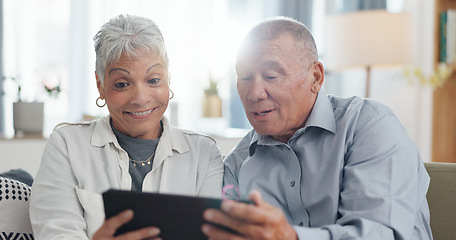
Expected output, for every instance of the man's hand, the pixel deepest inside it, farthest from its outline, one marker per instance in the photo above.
(252, 221)
(109, 227)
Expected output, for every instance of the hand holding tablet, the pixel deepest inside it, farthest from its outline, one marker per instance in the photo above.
(177, 217)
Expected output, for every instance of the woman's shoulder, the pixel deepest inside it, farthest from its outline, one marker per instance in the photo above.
(70, 125)
(184, 140)
(195, 135)
(73, 126)
(77, 128)
(191, 136)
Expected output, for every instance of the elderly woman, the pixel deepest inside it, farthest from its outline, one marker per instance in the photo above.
(134, 148)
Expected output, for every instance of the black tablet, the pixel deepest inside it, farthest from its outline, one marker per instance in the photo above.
(178, 217)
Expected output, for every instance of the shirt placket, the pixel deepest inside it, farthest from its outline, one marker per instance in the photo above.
(125, 181)
(292, 186)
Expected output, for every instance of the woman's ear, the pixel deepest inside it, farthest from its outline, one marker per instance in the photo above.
(318, 77)
(169, 78)
(99, 86)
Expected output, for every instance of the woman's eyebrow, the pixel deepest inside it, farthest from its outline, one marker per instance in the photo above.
(125, 70)
(157, 64)
(118, 69)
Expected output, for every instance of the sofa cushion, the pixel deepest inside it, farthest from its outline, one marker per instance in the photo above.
(18, 174)
(441, 197)
(14, 210)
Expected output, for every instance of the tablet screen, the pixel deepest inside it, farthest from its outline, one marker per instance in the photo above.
(177, 216)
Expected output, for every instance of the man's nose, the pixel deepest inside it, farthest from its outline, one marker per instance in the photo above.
(257, 90)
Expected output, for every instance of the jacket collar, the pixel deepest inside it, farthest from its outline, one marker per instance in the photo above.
(171, 138)
(102, 133)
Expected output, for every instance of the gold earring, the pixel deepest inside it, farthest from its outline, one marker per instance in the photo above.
(172, 94)
(100, 105)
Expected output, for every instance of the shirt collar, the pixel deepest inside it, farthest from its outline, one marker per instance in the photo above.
(321, 116)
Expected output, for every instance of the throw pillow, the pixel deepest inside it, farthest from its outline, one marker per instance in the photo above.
(14, 210)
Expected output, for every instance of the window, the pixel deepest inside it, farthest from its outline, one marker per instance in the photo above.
(35, 55)
(56, 47)
(50, 42)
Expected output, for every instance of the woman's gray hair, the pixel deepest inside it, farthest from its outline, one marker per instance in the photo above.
(127, 34)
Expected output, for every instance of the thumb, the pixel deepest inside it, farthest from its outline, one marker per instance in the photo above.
(255, 197)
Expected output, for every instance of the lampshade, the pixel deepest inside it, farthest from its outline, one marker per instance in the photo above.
(368, 38)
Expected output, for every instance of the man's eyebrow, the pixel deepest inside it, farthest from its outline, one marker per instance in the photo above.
(118, 69)
(273, 65)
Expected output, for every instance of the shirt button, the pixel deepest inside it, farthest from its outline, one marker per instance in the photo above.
(301, 224)
(292, 183)
(125, 179)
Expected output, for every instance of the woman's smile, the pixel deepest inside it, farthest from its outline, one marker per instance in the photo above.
(140, 114)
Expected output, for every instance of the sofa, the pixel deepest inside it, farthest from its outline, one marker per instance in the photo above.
(441, 197)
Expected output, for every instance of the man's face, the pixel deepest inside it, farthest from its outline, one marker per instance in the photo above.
(277, 87)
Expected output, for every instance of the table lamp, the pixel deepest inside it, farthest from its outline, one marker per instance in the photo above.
(366, 39)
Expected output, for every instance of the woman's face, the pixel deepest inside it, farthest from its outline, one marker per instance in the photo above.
(136, 92)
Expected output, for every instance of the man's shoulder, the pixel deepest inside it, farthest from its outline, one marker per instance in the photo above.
(241, 150)
(245, 142)
(357, 105)
(361, 113)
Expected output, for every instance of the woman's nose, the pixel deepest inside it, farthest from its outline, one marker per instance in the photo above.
(140, 95)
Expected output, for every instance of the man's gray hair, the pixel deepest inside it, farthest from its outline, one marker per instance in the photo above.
(127, 34)
(275, 27)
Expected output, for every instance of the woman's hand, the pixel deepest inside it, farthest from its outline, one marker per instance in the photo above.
(109, 227)
(252, 221)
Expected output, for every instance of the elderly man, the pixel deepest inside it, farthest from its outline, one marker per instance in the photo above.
(315, 166)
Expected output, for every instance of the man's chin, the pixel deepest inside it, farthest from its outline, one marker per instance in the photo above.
(262, 130)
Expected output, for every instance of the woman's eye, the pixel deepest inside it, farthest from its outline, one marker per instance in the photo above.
(154, 81)
(120, 85)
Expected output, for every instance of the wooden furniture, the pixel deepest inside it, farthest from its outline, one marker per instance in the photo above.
(444, 101)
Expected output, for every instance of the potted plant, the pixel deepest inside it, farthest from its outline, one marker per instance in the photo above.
(212, 103)
(28, 117)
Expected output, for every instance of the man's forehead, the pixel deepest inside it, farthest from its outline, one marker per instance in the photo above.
(259, 53)
(284, 43)
(263, 45)
(261, 65)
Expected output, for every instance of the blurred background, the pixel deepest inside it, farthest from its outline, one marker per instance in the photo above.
(47, 50)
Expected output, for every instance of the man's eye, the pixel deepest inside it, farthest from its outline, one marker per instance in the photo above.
(120, 85)
(271, 77)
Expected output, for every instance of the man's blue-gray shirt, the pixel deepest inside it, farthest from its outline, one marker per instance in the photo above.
(352, 172)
